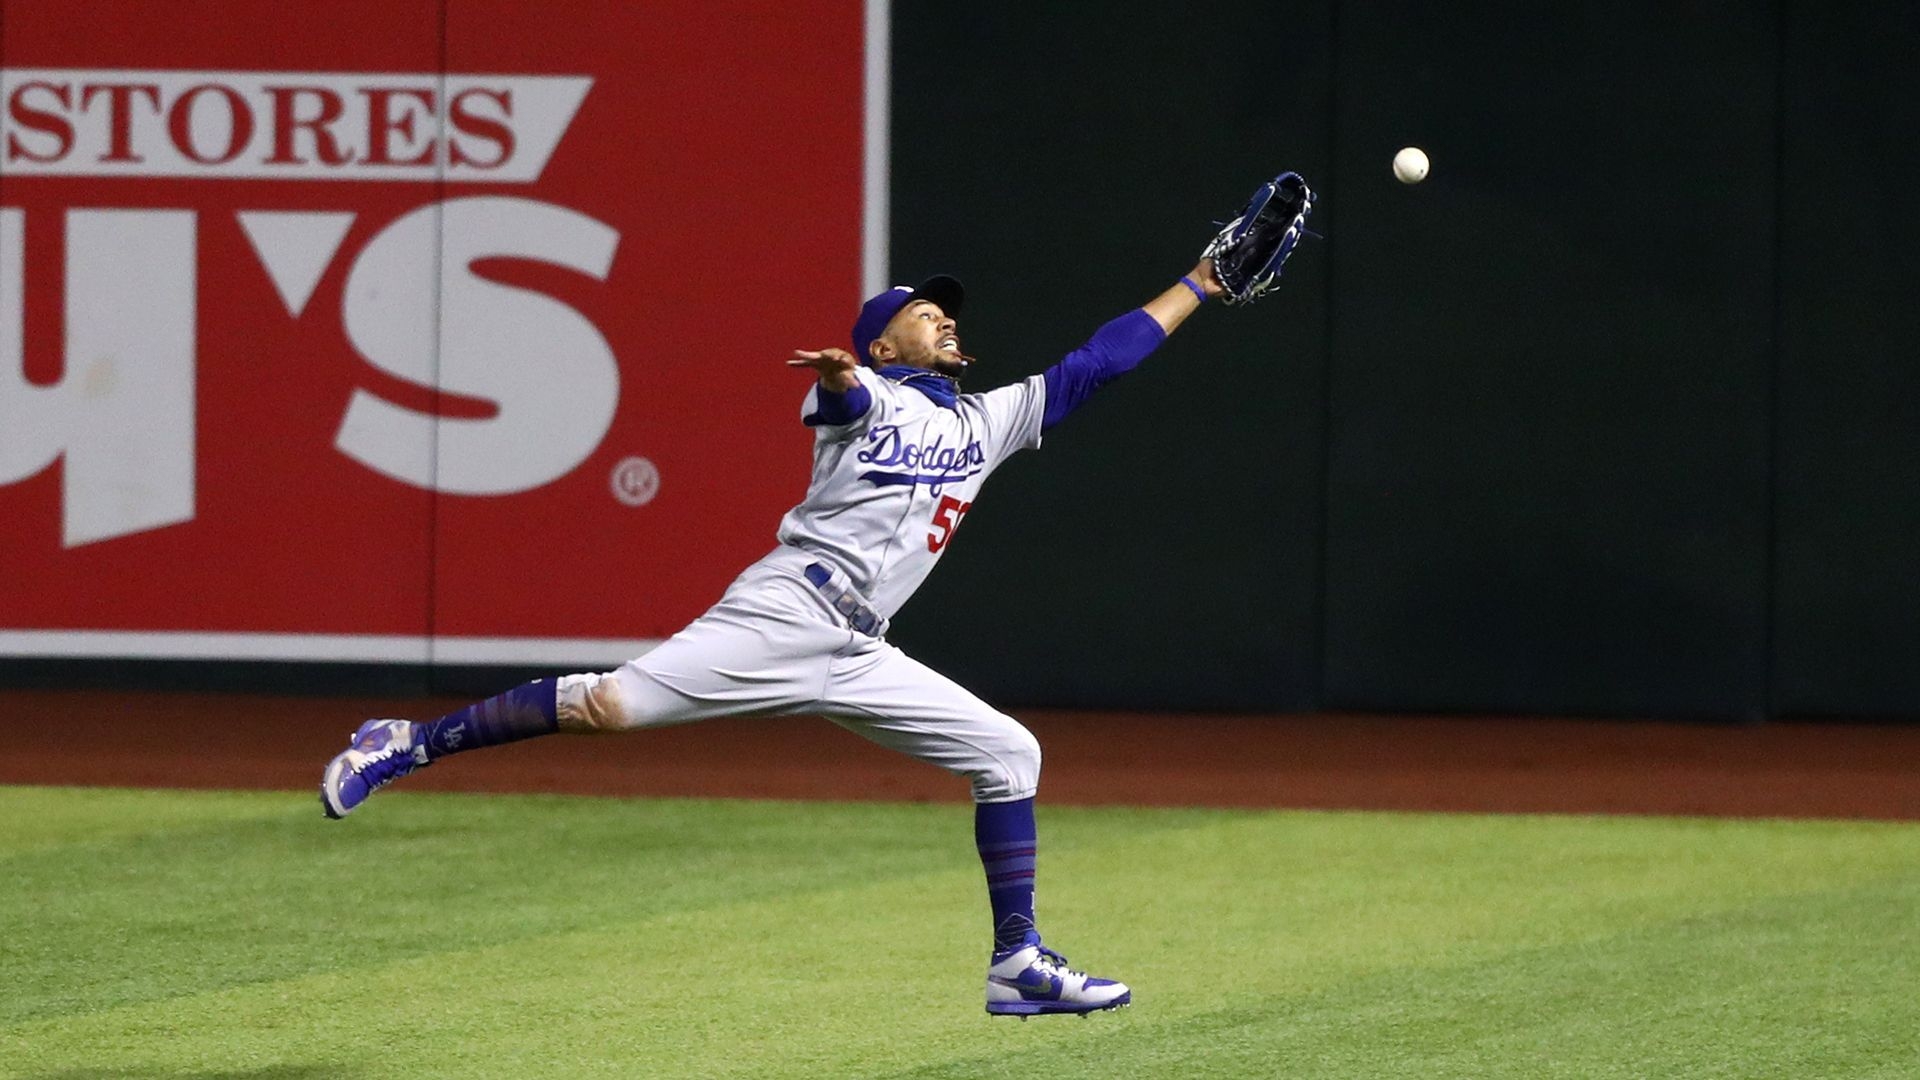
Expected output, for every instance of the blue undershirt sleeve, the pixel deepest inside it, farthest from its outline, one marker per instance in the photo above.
(1111, 352)
(833, 408)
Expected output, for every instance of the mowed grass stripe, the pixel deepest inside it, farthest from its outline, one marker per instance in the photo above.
(1790, 986)
(38, 818)
(128, 915)
(1260, 944)
(652, 949)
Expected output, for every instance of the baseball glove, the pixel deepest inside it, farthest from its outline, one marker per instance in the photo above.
(1248, 252)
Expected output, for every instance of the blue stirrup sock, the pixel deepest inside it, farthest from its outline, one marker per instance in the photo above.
(521, 713)
(1005, 834)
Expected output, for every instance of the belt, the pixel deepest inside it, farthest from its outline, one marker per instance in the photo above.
(842, 597)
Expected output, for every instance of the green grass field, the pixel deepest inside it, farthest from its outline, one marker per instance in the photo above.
(155, 934)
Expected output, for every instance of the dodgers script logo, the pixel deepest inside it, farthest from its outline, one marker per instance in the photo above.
(934, 465)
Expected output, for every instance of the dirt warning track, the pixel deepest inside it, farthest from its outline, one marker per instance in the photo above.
(1309, 761)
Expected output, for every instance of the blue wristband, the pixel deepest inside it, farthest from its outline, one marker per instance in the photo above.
(1197, 290)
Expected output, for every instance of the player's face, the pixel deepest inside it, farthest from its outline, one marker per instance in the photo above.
(923, 336)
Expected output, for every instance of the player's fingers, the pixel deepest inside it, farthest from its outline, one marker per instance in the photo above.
(805, 354)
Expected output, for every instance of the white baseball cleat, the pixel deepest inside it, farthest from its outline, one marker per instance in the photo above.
(1033, 980)
(381, 752)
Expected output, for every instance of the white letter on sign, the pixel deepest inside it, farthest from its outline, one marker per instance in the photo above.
(122, 414)
(554, 377)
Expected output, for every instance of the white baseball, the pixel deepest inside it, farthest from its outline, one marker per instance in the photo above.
(1410, 165)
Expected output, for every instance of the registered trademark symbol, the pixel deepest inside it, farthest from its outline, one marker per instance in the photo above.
(635, 481)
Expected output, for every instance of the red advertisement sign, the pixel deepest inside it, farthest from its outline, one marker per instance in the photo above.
(397, 329)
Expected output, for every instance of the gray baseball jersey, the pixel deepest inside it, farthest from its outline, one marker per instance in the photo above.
(890, 488)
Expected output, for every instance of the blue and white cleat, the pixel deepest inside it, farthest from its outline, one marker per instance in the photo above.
(381, 752)
(1033, 980)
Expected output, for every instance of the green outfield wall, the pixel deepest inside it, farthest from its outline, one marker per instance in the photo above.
(1615, 414)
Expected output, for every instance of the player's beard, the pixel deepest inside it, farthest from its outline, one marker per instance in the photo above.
(949, 365)
(927, 357)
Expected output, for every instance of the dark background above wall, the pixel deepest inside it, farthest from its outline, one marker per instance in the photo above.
(1604, 418)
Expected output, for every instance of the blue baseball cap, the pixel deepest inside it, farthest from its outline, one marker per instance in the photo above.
(877, 312)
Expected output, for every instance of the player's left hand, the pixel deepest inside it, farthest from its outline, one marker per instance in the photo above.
(1204, 276)
(1248, 252)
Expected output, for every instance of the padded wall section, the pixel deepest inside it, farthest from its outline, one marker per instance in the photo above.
(1847, 595)
(648, 436)
(187, 354)
(1548, 475)
(1160, 550)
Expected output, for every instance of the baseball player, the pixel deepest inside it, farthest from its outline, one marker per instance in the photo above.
(899, 457)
